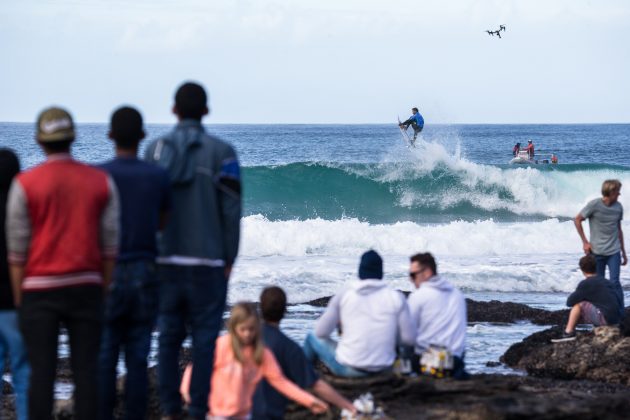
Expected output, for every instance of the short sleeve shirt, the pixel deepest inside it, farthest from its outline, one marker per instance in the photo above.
(604, 226)
(269, 403)
(144, 192)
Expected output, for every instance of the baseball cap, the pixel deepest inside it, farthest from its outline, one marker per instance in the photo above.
(54, 124)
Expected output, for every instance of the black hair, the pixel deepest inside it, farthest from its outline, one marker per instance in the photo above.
(426, 260)
(588, 264)
(126, 127)
(9, 168)
(415, 109)
(62, 146)
(273, 304)
(191, 101)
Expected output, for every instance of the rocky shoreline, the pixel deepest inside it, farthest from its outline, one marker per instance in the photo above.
(587, 378)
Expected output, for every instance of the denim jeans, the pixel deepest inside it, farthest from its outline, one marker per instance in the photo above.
(80, 309)
(614, 267)
(193, 297)
(11, 344)
(324, 349)
(130, 314)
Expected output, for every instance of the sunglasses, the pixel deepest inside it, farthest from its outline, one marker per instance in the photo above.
(413, 274)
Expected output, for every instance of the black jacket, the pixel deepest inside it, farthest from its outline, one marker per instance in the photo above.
(600, 292)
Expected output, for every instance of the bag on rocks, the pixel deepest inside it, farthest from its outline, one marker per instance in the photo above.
(366, 409)
(436, 361)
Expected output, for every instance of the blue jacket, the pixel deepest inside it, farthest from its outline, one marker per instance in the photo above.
(206, 194)
(415, 118)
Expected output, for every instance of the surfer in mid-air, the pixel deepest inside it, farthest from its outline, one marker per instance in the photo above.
(415, 121)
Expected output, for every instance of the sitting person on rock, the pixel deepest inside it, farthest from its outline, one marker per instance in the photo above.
(371, 316)
(593, 302)
(269, 404)
(438, 312)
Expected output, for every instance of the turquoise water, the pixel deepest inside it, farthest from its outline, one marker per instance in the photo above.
(317, 196)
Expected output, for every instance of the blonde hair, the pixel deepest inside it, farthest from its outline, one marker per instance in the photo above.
(609, 186)
(241, 312)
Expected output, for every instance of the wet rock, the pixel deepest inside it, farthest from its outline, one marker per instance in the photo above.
(601, 355)
(492, 364)
(7, 389)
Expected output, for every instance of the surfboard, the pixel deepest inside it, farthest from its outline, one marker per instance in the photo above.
(408, 141)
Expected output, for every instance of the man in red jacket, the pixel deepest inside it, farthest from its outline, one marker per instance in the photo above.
(62, 238)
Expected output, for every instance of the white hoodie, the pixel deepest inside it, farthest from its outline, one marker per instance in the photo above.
(371, 315)
(438, 311)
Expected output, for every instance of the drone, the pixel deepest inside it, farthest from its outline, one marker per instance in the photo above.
(497, 33)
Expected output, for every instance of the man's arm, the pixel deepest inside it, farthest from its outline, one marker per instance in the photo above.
(18, 231)
(586, 245)
(109, 233)
(326, 392)
(624, 257)
(229, 185)
(329, 320)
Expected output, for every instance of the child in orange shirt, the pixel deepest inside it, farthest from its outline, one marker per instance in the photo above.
(240, 362)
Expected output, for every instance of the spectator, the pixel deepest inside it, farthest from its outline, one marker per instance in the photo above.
(241, 361)
(198, 247)
(370, 316)
(269, 404)
(593, 302)
(62, 235)
(11, 342)
(438, 312)
(131, 307)
(606, 242)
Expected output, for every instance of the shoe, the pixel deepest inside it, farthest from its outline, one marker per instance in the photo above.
(564, 337)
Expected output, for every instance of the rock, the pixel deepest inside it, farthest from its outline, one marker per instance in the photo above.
(493, 364)
(485, 397)
(7, 389)
(601, 355)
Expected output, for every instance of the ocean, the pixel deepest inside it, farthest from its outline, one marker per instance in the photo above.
(317, 196)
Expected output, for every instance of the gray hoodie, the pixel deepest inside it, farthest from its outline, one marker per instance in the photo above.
(204, 225)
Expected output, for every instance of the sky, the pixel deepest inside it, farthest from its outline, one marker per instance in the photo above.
(320, 61)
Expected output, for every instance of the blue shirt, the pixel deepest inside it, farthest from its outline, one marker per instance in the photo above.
(418, 118)
(269, 403)
(144, 192)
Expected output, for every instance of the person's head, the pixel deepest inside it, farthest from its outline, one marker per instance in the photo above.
(191, 102)
(588, 265)
(55, 130)
(611, 188)
(244, 329)
(414, 110)
(9, 168)
(273, 304)
(371, 266)
(529, 141)
(126, 128)
(421, 268)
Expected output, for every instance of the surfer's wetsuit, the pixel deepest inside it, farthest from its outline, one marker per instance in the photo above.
(416, 122)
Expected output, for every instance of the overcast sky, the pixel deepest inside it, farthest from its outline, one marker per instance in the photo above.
(320, 61)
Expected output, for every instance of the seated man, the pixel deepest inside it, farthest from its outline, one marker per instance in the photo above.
(372, 316)
(268, 403)
(438, 312)
(593, 302)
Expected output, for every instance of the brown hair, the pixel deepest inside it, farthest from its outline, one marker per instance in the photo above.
(609, 186)
(241, 312)
(426, 260)
(588, 264)
(273, 304)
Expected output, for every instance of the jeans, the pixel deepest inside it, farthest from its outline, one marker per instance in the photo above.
(192, 296)
(79, 308)
(324, 349)
(614, 267)
(11, 342)
(130, 314)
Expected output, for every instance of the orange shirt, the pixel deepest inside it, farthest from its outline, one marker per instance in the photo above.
(233, 383)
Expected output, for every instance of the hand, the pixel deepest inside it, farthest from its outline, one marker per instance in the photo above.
(318, 406)
(587, 248)
(624, 258)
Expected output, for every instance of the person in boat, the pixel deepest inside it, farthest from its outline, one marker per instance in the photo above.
(516, 149)
(415, 121)
(530, 149)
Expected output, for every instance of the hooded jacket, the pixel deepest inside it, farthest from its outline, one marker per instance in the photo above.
(204, 224)
(438, 312)
(372, 316)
